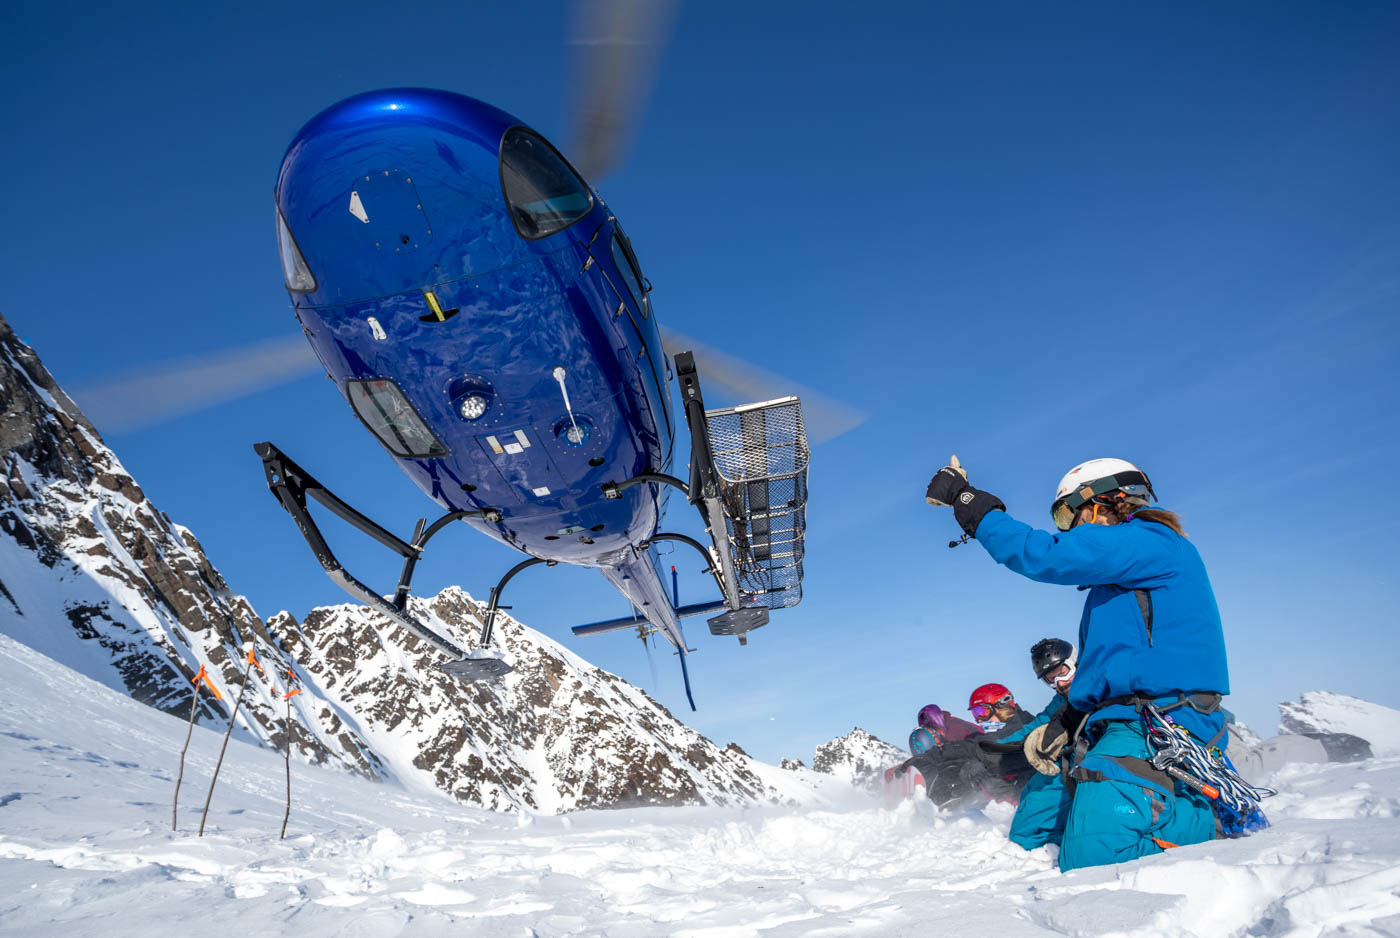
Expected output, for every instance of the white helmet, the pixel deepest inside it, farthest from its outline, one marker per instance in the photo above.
(1098, 480)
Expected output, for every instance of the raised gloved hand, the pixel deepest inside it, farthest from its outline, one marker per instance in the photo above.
(1043, 747)
(949, 487)
(944, 487)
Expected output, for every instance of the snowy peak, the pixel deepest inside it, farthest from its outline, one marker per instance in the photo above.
(1326, 712)
(858, 757)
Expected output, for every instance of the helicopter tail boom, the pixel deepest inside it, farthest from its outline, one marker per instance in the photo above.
(637, 622)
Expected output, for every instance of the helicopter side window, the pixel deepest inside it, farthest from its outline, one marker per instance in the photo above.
(295, 272)
(627, 266)
(391, 418)
(543, 193)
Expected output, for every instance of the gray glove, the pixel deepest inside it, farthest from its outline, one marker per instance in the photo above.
(1044, 754)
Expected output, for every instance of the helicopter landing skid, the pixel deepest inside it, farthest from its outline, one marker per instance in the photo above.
(290, 484)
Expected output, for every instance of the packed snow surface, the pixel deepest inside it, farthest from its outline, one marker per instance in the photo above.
(86, 777)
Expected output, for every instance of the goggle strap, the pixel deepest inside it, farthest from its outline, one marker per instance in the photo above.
(1085, 494)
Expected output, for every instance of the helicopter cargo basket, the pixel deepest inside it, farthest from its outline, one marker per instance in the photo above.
(761, 454)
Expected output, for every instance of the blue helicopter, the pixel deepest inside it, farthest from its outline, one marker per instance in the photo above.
(486, 318)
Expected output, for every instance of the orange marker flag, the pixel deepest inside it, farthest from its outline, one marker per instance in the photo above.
(203, 675)
(253, 659)
(292, 693)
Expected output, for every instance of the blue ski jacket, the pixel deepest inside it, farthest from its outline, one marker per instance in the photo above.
(1185, 651)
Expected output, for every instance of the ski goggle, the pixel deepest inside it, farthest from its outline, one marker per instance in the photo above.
(983, 712)
(1057, 673)
(1132, 484)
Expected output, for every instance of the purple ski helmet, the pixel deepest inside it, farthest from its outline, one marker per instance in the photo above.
(932, 715)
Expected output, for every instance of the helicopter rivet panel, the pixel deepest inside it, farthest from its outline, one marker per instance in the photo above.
(521, 462)
(397, 223)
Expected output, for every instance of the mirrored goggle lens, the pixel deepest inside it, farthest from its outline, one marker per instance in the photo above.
(1063, 515)
(981, 712)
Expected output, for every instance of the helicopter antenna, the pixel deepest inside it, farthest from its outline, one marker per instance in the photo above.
(575, 435)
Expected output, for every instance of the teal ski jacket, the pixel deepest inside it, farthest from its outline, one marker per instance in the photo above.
(1118, 657)
(1056, 704)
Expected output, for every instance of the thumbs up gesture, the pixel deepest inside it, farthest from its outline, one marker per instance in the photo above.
(944, 487)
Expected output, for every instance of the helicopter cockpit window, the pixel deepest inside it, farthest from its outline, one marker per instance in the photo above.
(543, 194)
(297, 275)
(389, 415)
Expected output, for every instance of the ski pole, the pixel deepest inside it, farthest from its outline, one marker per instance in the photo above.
(233, 718)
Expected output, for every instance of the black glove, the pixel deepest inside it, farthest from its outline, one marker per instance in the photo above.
(944, 487)
(971, 505)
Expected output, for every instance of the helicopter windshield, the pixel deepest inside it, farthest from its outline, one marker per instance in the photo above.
(544, 195)
(391, 418)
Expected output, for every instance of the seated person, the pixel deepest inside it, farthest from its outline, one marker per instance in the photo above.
(958, 773)
(1044, 805)
(998, 716)
(935, 728)
(995, 710)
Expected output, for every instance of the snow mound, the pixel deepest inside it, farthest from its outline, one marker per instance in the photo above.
(1326, 712)
(86, 776)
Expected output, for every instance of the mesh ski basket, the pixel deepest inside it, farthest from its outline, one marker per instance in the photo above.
(761, 456)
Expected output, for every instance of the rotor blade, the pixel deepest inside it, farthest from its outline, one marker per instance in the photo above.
(172, 389)
(616, 45)
(824, 417)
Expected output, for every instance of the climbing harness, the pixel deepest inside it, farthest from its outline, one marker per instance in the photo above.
(1208, 771)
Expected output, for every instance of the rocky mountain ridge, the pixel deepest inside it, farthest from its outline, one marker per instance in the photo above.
(93, 575)
(858, 757)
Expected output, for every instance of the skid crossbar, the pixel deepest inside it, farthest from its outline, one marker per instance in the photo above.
(291, 484)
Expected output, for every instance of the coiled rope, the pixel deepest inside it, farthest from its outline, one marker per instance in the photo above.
(1208, 771)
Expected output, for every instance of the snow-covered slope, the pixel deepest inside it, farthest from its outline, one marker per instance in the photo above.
(86, 777)
(1326, 712)
(858, 757)
(94, 576)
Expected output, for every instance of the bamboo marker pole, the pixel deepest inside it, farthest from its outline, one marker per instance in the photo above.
(233, 718)
(189, 731)
(287, 728)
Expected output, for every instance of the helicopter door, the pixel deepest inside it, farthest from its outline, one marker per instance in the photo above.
(643, 325)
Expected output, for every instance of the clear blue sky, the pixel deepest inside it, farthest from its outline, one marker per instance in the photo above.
(1032, 234)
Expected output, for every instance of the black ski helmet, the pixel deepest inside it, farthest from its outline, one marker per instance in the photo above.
(1048, 654)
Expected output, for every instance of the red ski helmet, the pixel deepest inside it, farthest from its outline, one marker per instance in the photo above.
(987, 695)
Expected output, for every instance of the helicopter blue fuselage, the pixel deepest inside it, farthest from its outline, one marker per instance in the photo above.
(445, 319)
